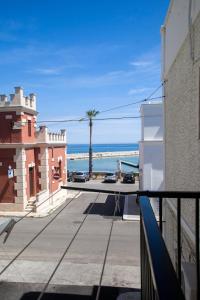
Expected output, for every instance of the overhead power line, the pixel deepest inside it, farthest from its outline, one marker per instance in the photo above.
(36, 236)
(85, 119)
(65, 252)
(130, 104)
(117, 205)
(99, 119)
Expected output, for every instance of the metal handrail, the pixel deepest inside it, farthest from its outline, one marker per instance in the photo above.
(152, 238)
(163, 194)
(161, 281)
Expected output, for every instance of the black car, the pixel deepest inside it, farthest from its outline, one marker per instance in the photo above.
(129, 178)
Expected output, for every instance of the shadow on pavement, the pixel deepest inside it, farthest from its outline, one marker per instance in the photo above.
(110, 293)
(106, 209)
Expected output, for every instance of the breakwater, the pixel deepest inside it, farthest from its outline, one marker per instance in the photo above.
(96, 155)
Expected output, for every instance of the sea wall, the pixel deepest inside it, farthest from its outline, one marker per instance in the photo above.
(74, 156)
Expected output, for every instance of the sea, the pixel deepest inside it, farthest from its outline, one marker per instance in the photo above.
(102, 164)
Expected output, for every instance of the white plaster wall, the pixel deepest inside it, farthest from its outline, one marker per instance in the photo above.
(151, 121)
(20, 172)
(151, 165)
(44, 168)
(176, 29)
(182, 143)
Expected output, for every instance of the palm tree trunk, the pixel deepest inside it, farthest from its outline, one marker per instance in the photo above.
(90, 149)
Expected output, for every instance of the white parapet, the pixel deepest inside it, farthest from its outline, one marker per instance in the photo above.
(43, 136)
(18, 99)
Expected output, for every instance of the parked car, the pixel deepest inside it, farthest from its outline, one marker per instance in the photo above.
(69, 176)
(81, 176)
(128, 178)
(110, 177)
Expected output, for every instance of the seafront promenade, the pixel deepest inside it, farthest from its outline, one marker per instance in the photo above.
(74, 156)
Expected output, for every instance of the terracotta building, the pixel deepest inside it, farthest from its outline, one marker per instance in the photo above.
(32, 162)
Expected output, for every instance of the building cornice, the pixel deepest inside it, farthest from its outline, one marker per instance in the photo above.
(30, 145)
(16, 108)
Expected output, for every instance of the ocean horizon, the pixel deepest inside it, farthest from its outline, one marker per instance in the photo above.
(112, 147)
(102, 164)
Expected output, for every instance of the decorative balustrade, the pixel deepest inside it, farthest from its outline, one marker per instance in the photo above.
(56, 137)
(43, 136)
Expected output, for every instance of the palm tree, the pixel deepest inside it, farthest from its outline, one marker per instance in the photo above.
(90, 115)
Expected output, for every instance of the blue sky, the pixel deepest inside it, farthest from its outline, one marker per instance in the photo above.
(78, 55)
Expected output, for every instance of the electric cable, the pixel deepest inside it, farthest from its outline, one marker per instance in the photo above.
(107, 110)
(101, 119)
(107, 247)
(149, 98)
(65, 252)
(20, 219)
(130, 104)
(36, 236)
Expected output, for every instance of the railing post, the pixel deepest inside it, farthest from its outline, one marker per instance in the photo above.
(179, 239)
(197, 244)
(141, 256)
(160, 214)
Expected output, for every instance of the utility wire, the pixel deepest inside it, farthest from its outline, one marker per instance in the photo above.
(36, 236)
(135, 102)
(65, 252)
(107, 247)
(107, 110)
(101, 119)
(130, 104)
(20, 219)
(149, 98)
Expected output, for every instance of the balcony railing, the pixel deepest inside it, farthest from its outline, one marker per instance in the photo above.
(159, 280)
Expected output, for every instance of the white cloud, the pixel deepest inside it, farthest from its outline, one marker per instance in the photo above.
(141, 63)
(106, 79)
(138, 91)
(48, 71)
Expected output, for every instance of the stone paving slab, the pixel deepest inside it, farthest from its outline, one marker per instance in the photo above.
(83, 262)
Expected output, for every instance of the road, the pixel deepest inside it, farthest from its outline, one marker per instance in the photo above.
(83, 262)
(99, 184)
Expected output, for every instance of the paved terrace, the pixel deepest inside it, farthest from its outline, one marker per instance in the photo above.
(79, 272)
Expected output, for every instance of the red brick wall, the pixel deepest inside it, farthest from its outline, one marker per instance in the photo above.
(8, 135)
(7, 192)
(55, 153)
(25, 136)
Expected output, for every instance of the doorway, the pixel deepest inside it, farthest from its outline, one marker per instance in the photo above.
(31, 182)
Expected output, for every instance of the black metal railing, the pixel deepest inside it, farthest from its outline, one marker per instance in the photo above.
(159, 280)
(179, 195)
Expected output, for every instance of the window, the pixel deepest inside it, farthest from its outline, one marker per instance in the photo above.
(58, 169)
(29, 127)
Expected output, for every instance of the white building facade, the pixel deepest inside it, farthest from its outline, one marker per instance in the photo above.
(181, 77)
(151, 149)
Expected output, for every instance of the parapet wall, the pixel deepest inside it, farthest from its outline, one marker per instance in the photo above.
(43, 136)
(18, 99)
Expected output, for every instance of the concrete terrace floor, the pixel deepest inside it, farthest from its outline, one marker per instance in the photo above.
(81, 268)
